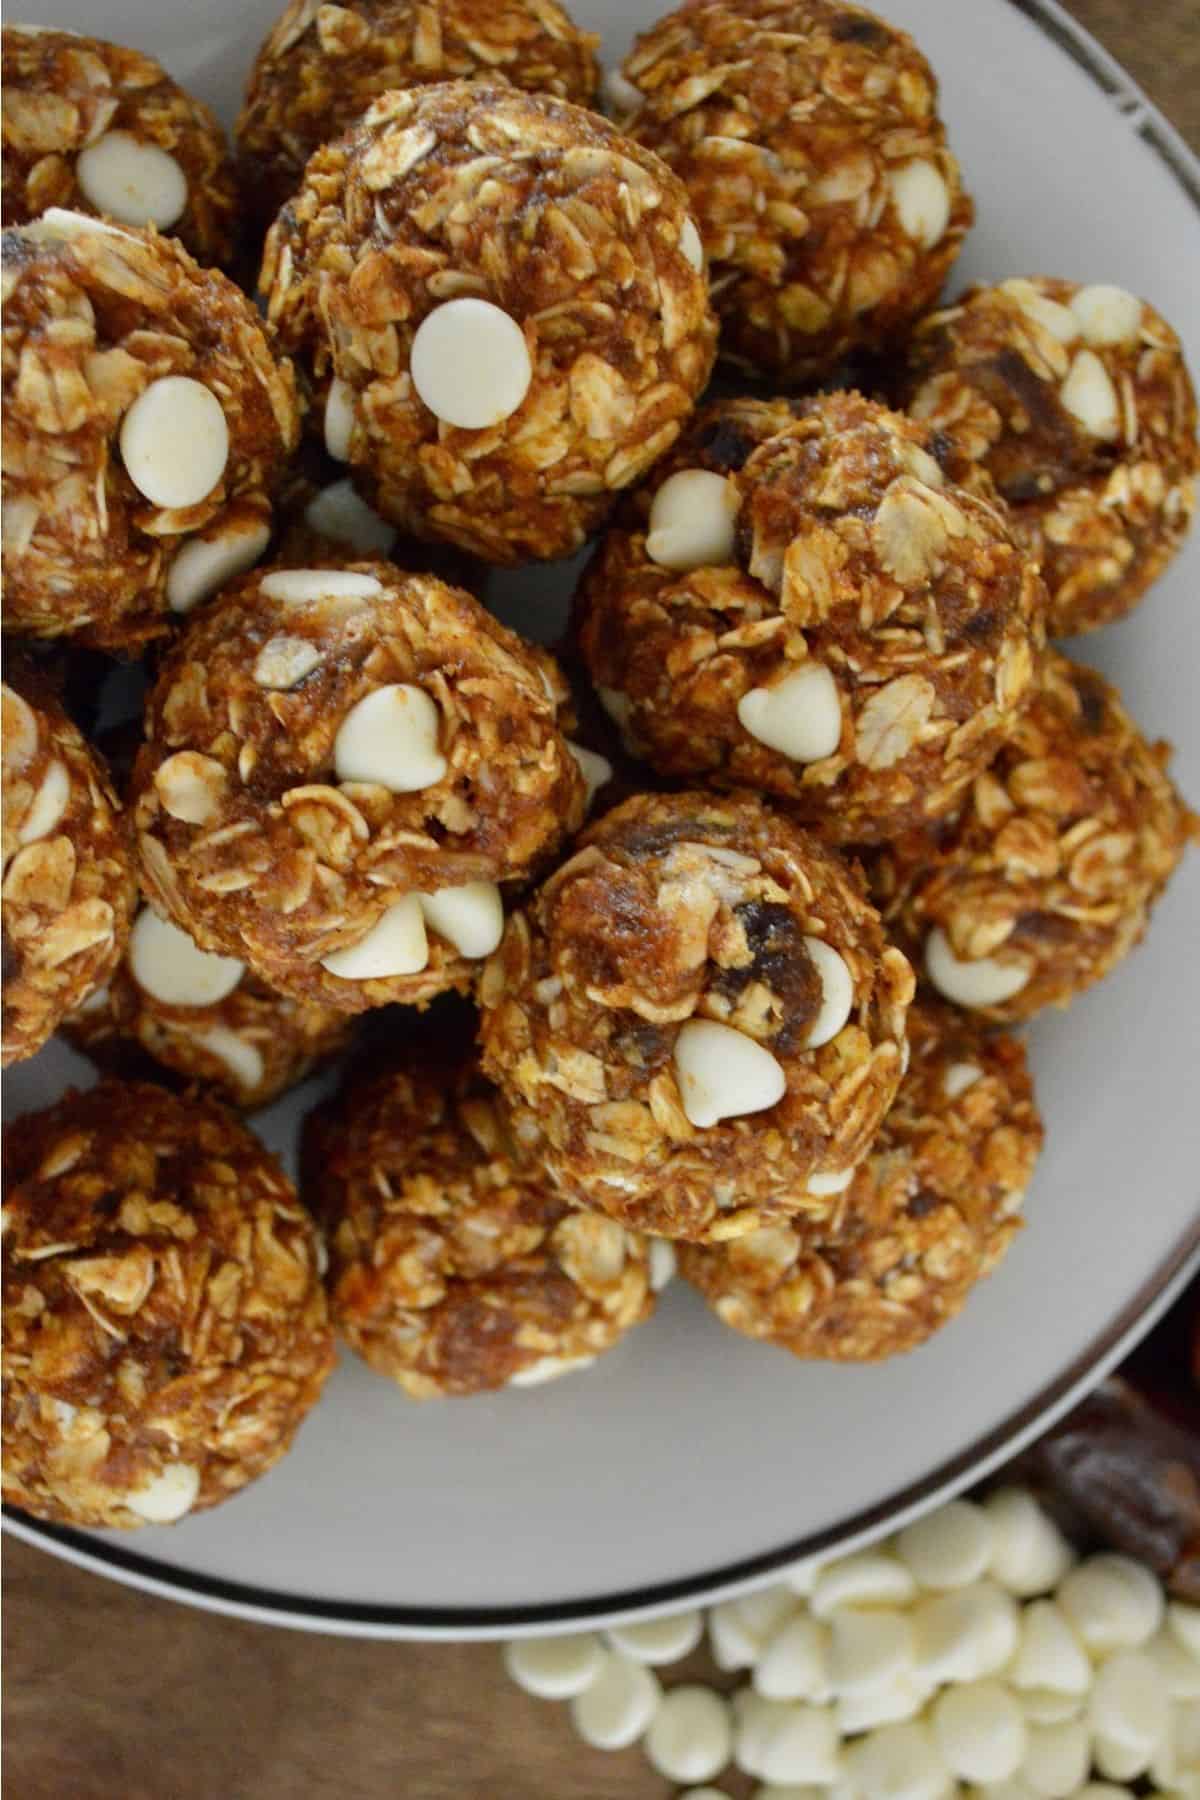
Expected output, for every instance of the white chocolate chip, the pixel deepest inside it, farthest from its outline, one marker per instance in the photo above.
(596, 770)
(1056, 1759)
(1107, 315)
(801, 716)
(548, 1368)
(48, 804)
(621, 95)
(172, 968)
(959, 1077)
(617, 705)
(615, 1709)
(1058, 320)
(339, 512)
(983, 981)
(191, 787)
(469, 917)
(965, 1634)
(60, 222)
(1029, 1554)
(175, 441)
(868, 1578)
(869, 1649)
(980, 1731)
(664, 1640)
(167, 1496)
(1183, 1622)
(340, 404)
(949, 1547)
(1049, 1655)
(134, 182)
(283, 661)
(795, 1663)
(890, 1704)
(898, 1762)
(20, 734)
(922, 201)
(395, 945)
(799, 1743)
(470, 363)
(1088, 394)
(691, 520)
(661, 1258)
(1129, 1704)
(391, 737)
(691, 1735)
(554, 1668)
(837, 992)
(835, 1181)
(1179, 1672)
(1049, 1706)
(207, 562)
(242, 1059)
(723, 1074)
(690, 242)
(1112, 1602)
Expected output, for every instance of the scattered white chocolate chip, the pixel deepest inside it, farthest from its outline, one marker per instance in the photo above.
(980, 1731)
(837, 992)
(1179, 1671)
(242, 1059)
(982, 981)
(596, 770)
(340, 404)
(1183, 1622)
(869, 1649)
(205, 563)
(1030, 1555)
(1058, 320)
(799, 1743)
(1112, 1603)
(834, 1181)
(691, 244)
(548, 1368)
(469, 917)
(949, 1547)
(391, 737)
(555, 1668)
(134, 182)
(1050, 1706)
(661, 1259)
(1129, 1705)
(615, 1709)
(723, 1074)
(283, 661)
(794, 1665)
(691, 520)
(1049, 1655)
(295, 586)
(965, 1634)
(868, 1578)
(801, 716)
(172, 968)
(167, 1496)
(1107, 315)
(735, 1644)
(20, 731)
(175, 441)
(48, 804)
(898, 1762)
(664, 1640)
(959, 1077)
(395, 945)
(890, 1704)
(922, 201)
(470, 363)
(339, 512)
(1088, 395)
(190, 786)
(1056, 1759)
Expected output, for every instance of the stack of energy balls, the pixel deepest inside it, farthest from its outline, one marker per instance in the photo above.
(852, 815)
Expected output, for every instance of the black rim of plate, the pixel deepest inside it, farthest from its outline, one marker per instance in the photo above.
(266, 1606)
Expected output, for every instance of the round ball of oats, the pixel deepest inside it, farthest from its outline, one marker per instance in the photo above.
(804, 601)
(204, 1017)
(145, 420)
(342, 767)
(319, 69)
(930, 1212)
(697, 1021)
(69, 886)
(104, 130)
(1078, 403)
(1046, 878)
(454, 1266)
(500, 306)
(806, 133)
(165, 1328)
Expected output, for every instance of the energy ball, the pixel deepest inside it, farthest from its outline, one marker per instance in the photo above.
(146, 419)
(69, 886)
(807, 136)
(501, 308)
(205, 1018)
(321, 67)
(810, 606)
(104, 130)
(342, 766)
(1046, 878)
(165, 1327)
(454, 1265)
(931, 1210)
(697, 1020)
(1077, 401)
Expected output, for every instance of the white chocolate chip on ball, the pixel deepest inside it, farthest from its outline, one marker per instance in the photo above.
(837, 992)
(898, 1762)
(1049, 1655)
(391, 737)
(615, 1709)
(340, 403)
(48, 804)
(242, 1059)
(691, 520)
(1129, 1705)
(982, 981)
(1112, 1602)
(965, 1634)
(662, 1264)
(868, 1578)
(60, 222)
(470, 364)
(869, 1649)
(723, 1074)
(691, 244)
(135, 182)
(1088, 394)
(172, 968)
(620, 93)
(1058, 320)
(980, 1731)
(207, 562)
(922, 201)
(283, 661)
(175, 441)
(949, 1547)
(959, 1077)
(555, 1668)
(664, 1640)
(20, 731)
(1030, 1555)
(191, 787)
(596, 770)
(548, 1368)
(167, 1496)
(395, 945)
(1107, 315)
(339, 512)
(834, 1181)
(801, 716)
(795, 1662)
(469, 917)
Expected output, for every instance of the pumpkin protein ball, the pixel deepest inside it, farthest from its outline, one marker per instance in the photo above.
(809, 606)
(697, 1022)
(69, 886)
(1078, 403)
(342, 767)
(100, 129)
(807, 136)
(500, 307)
(320, 68)
(165, 1327)
(1046, 878)
(454, 1265)
(931, 1210)
(146, 417)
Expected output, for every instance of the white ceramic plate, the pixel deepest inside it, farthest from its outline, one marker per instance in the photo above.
(690, 1461)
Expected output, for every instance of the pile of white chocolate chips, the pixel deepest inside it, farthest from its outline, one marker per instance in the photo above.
(973, 1653)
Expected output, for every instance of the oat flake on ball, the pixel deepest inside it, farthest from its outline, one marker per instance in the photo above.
(492, 296)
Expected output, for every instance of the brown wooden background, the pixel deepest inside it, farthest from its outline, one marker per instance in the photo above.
(111, 1695)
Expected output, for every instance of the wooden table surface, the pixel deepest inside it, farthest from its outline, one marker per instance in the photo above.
(112, 1695)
